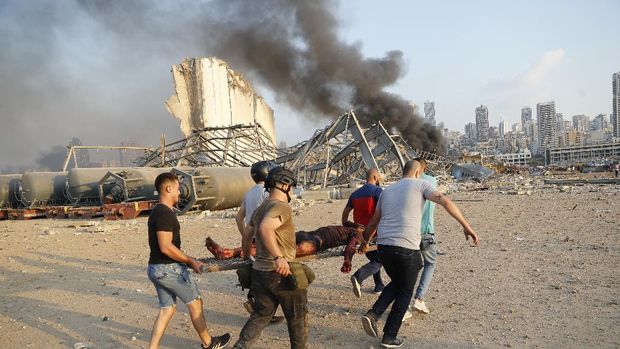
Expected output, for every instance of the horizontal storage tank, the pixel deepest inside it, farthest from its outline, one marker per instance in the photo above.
(43, 189)
(213, 188)
(132, 184)
(9, 186)
(82, 187)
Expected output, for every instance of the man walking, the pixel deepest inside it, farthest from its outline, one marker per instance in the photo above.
(168, 267)
(397, 220)
(274, 232)
(252, 199)
(363, 202)
(428, 245)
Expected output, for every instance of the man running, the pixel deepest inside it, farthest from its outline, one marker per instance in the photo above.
(168, 267)
(397, 220)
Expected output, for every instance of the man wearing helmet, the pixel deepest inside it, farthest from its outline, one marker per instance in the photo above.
(273, 228)
(255, 196)
(251, 200)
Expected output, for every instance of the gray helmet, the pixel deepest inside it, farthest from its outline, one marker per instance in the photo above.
(280, 174)
(260, 170)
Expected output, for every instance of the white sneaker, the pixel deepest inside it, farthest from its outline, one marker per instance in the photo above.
(407, 315)
(420, 306)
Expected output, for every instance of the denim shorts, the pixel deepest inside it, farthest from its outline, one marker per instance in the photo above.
(172, 281)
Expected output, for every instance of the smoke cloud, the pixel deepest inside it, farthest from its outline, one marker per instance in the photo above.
(99, 69)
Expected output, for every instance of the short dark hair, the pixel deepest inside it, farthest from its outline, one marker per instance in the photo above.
(164, 178)
(410, 166)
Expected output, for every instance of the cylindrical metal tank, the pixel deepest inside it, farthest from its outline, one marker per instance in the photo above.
(213, 188)
(82, 185)
(42, 188)
(9, 185)
(132, 184)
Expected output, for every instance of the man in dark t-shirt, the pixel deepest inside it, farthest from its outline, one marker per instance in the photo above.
(168, 267)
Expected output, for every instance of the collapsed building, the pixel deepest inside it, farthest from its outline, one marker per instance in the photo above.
(227, 127)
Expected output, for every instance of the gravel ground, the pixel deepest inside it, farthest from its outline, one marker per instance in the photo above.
(545, 275)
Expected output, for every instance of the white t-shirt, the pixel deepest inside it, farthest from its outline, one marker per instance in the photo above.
(401, 206)
(252, 199)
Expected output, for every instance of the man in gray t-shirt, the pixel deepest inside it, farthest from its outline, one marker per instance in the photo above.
(401, 208)
(398, 219)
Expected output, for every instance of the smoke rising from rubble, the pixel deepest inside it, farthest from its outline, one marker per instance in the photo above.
(100, 70)
(293, 47)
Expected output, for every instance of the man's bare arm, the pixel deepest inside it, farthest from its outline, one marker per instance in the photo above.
(164, 238)
(370, 230)
(267, 231)
(345, 217)
(246, 240)
(240, 219)
(440, 199)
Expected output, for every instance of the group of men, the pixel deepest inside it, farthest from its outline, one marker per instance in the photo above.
(399, 216)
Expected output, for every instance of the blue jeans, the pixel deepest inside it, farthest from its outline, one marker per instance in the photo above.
(371, 268)
(171, 281)
(428, 248)
(402, 265)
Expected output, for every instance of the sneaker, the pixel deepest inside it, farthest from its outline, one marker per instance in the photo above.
(370, 324)
(249, 305)
(420, 306)
(219, 342)
(378, 289)
(357, 289)
(407, 315)
(392, 343)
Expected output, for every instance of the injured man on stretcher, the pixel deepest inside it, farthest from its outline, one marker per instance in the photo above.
(308, 243)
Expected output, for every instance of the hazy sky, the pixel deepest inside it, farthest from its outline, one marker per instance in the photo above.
(69, 68)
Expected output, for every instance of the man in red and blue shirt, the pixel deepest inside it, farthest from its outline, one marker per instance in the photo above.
(363, 202)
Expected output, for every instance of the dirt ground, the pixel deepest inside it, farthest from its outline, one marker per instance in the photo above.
(545, 275)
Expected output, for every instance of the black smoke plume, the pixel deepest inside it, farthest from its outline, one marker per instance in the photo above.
(293, 47)
(100, 69)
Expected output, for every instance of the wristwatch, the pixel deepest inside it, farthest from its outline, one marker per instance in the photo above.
(276, 258)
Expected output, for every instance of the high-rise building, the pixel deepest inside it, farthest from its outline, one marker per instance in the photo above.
(615, 104)
(526, 115)
(429, 112)
(503, 127)
(600, 122)
(482, 123)
(470, 132)
(581, 123)
(547, 125)
(559, 121)
(535, 143)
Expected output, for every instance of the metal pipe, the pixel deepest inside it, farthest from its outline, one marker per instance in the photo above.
(212, 188)
(42, 188)
(9, 185)
(82, 186)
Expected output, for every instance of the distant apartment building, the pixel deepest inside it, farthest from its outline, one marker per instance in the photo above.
(547, 126)
(521, 158)
(600, 122)
(581, 123)
(429, 112)
(534, 139)
(517, 127)
(503, 128)
(559, 121)
(526, 120)
(471, 134)
(482, 123)
(615, 104)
